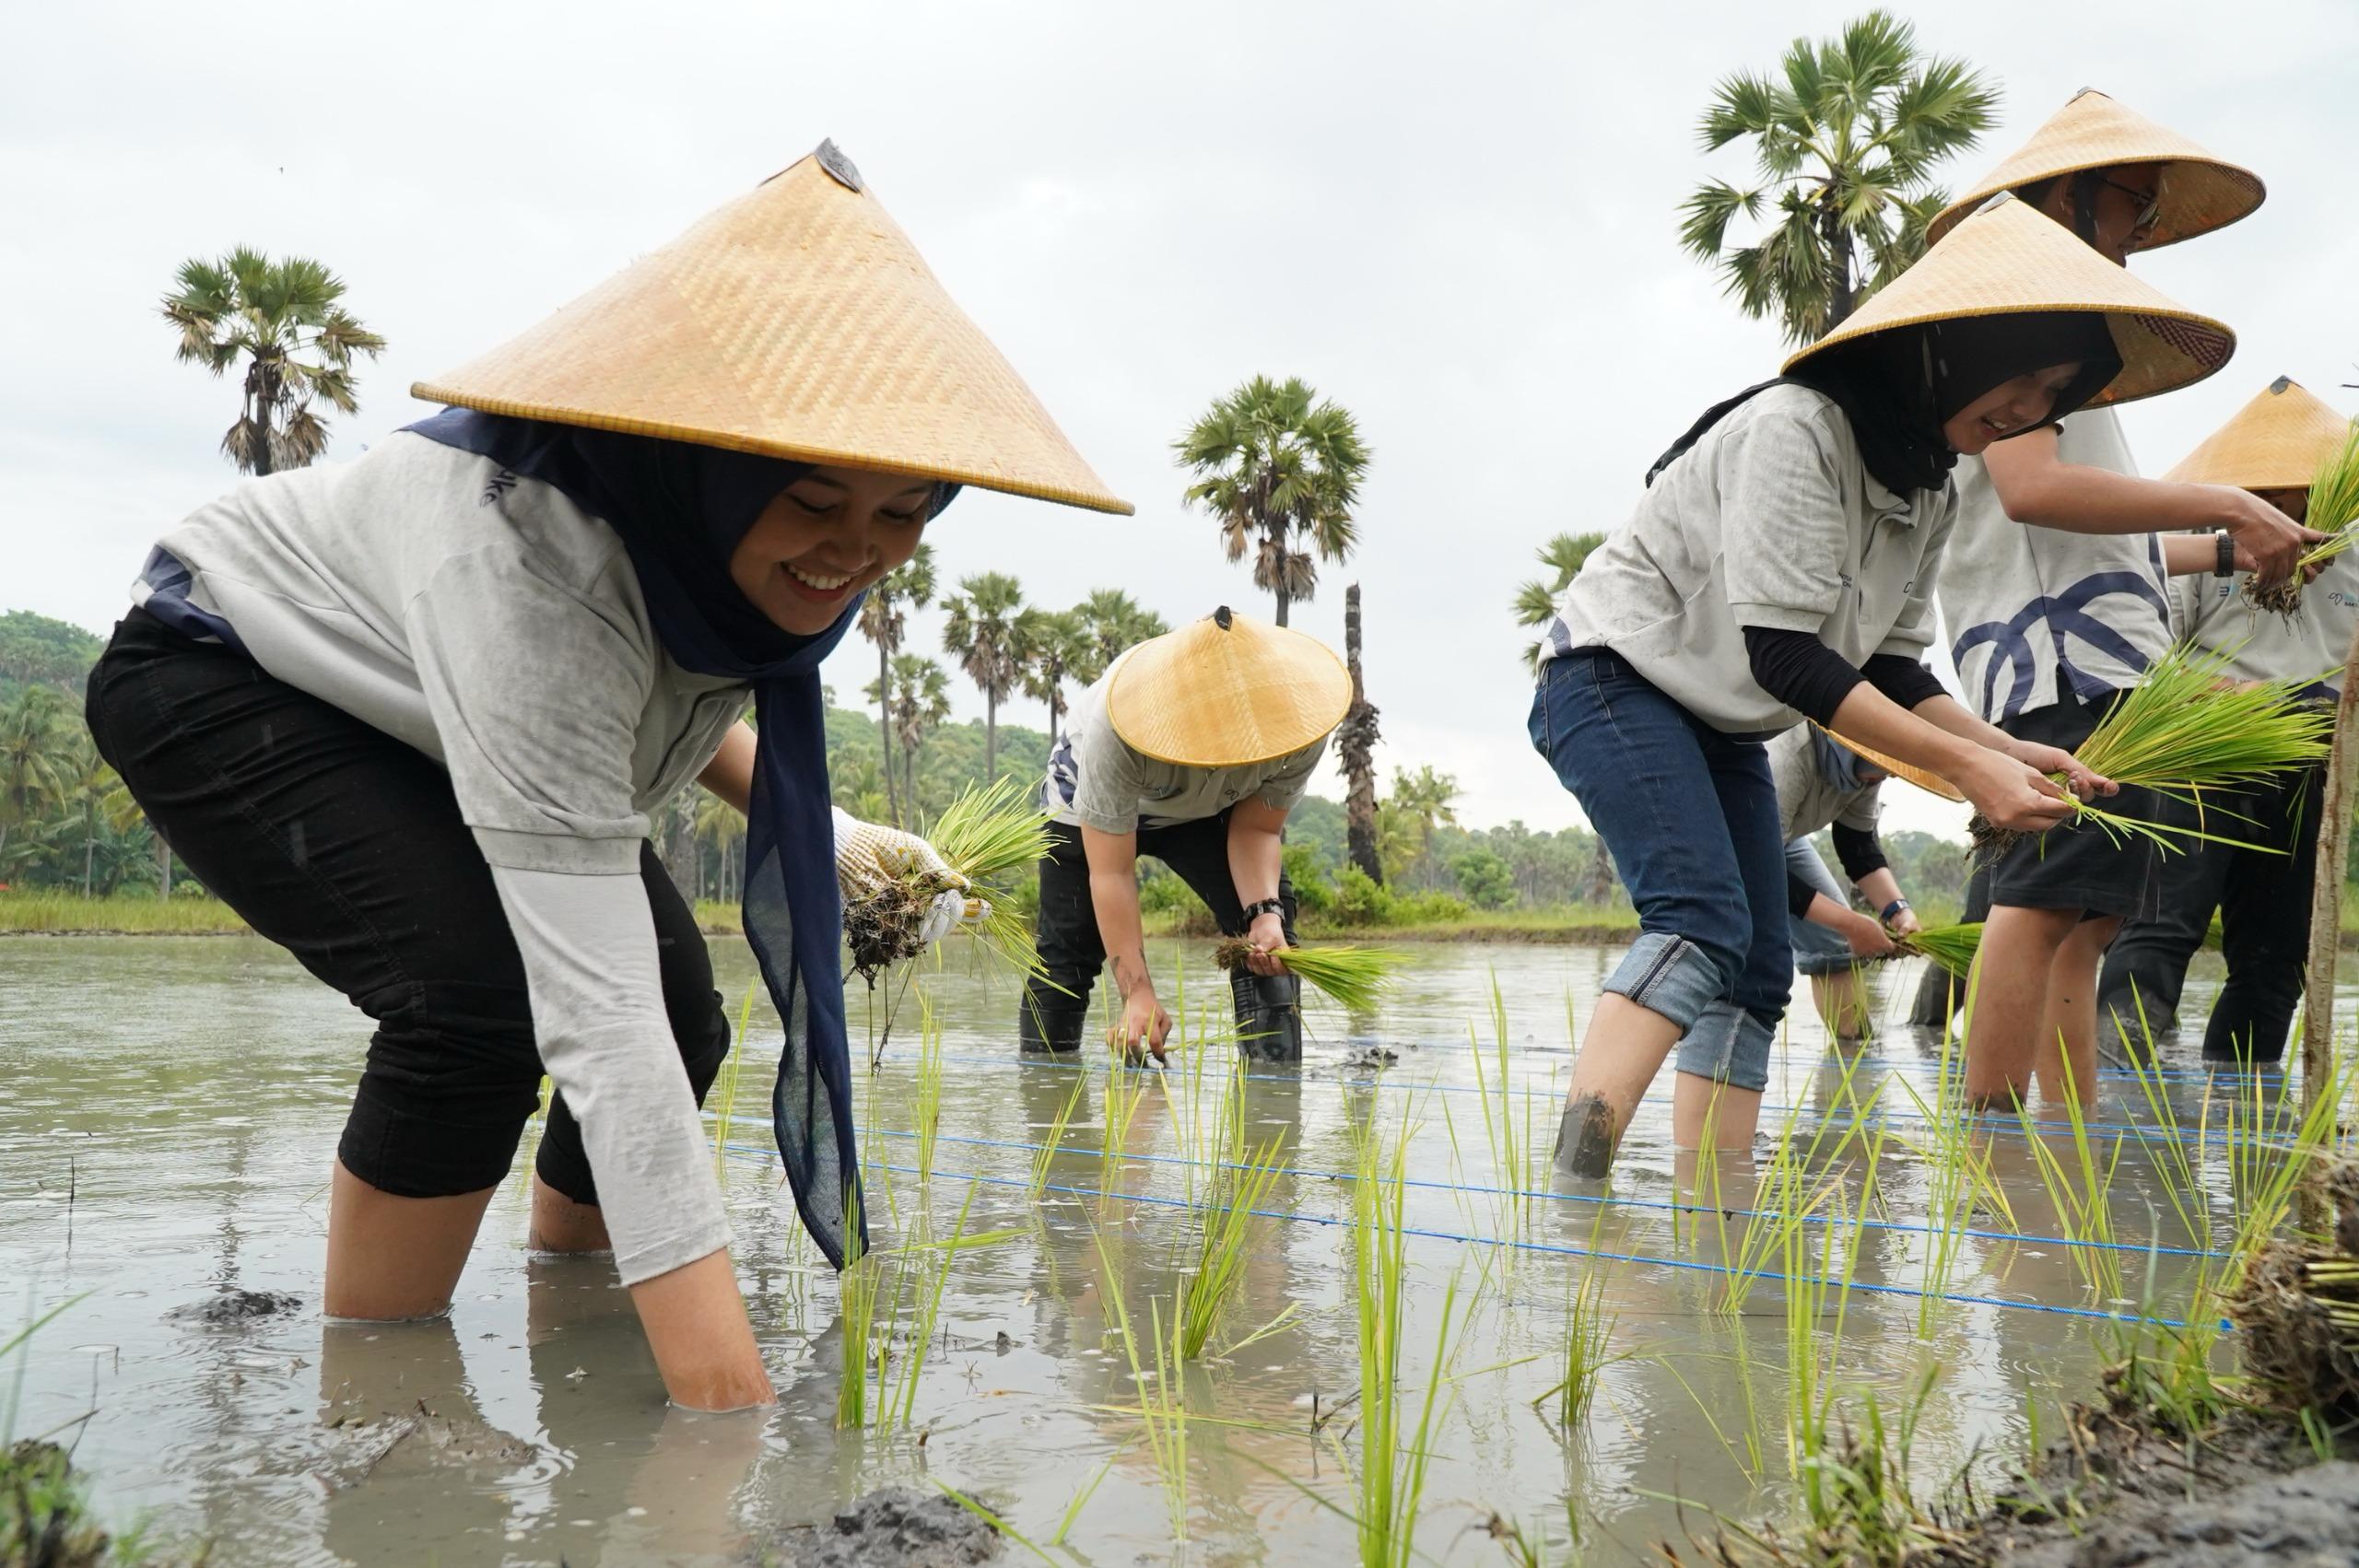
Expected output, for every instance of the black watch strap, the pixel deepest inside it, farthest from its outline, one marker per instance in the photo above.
(2227, 562)
(1265, 906)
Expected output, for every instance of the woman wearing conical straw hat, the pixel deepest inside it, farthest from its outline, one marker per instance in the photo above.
(1824, 782)
(1192, 748)
(2273, 447)
(2055, 595)
(1781, 568)
(408, 716)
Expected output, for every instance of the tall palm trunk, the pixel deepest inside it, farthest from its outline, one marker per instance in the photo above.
(885, 730)
(1357, 738)
(991, 737)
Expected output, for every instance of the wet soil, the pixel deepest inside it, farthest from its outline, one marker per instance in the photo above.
(893, 1527)
(235, 1306)
(2250, 1493)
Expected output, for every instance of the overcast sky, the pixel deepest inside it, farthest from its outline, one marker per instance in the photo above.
(1458, 220)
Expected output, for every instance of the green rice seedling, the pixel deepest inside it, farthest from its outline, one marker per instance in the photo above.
(1958, 1174)
(926, 1089)
(1818, 1270)
(1951, 947)
(932, 1262)
(1393, 1456)
(856, 1292)
(2334, 506)
(1123, 1089)
(1044, 1157)
(1356, 977)
(726, 1083)
(1163, 1406)
(989, 836)
(1588, 1331)
(2081, 1191)
(2189, 728)
(1221, 1226)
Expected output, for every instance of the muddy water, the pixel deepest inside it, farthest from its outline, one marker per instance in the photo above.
(169, 1109)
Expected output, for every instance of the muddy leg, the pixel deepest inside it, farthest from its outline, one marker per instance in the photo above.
(2007, 1000)
(1619, 1056)
(393, 1258)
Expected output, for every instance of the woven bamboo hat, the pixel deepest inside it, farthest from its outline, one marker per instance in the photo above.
(2275, 442)
(1931, 783)
(2007, 258)
(2200, 192)
(1227, 692)
(797, 322)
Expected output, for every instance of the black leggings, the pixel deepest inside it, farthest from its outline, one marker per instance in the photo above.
(344, 846)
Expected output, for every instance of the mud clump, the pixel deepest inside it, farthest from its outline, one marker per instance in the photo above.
(235, 1306)
(2309, 1517)
(897, 1527)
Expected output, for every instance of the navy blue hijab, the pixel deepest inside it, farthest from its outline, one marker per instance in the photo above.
(681, 511)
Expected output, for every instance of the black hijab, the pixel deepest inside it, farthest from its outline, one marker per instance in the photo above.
(1899, 386)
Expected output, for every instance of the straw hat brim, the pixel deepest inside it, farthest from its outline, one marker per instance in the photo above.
(796, 321)
(2278, 441)
(2200, 192)
(1205, 696)
(1931, 783)
(2008, 259)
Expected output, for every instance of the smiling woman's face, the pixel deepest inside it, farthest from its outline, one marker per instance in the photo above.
(2007, 408)
(824, 538)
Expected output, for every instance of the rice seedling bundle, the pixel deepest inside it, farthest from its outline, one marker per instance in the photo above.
(2185, 730)
(990, 837)
(1355, 977)
(1951, 947)
(2334, 506)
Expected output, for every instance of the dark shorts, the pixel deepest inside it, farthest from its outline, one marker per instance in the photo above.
(2079, 867)
(344, 846)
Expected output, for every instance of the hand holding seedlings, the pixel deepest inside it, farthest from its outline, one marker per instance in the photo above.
(2012, 794)
(1867, 938)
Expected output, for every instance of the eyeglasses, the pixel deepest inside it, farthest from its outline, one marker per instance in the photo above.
(2150, 209)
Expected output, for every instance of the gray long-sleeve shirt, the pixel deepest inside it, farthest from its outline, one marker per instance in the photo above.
(491, 623)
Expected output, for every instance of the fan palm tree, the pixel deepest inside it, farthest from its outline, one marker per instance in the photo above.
(884, 621)
(1053, 647)
(921, 703)
(1278, 469)
(284, 320)
(1846, 144)
(979, 631)
(1537, 602)
(1115, 623)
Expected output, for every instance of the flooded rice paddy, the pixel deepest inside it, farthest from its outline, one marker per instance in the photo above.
(169, 1109)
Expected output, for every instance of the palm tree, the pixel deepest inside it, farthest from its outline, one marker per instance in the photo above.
(1846, 146)
(883, 621)
(920, 702)
(1535, 603)
(1277, 469)
(1053, 647)
(34, 770)
(1420, 803)
(284, 320)
(980, 631)
(1116, 623)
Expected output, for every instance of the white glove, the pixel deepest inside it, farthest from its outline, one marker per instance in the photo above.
(868, 854)
(948, 911)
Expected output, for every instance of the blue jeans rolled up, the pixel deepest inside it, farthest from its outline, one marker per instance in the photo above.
(1690, 818)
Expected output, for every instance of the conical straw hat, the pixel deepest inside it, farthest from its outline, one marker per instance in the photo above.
(797, 322)
(2275, 442)
(1226, 692)
(1931, 783)
(2007, 258)
(2200, 192)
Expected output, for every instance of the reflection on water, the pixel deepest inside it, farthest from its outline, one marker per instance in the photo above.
(169, 1109)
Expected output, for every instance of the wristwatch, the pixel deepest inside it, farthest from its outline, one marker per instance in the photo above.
(1254, 911)
(1892, 909)
(2226, 565)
